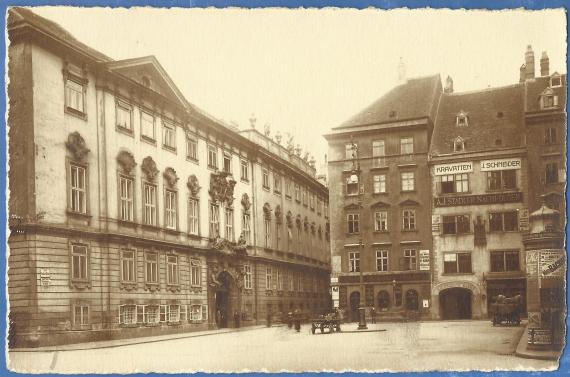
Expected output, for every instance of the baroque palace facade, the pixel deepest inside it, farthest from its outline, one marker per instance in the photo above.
(432, 192)
(133, 212)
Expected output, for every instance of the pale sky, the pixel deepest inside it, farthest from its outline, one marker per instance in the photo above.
(306, 71)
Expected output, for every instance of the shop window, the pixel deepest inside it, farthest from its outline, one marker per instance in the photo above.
(383, 300)
(504, 261)
(502, 180)
(454, 183)
(454, 263)
(503, 222)
(458, 224)
(412, 300)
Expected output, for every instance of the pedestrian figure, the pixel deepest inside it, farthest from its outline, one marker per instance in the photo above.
(373, 314)
(268, 319)
(297, 320)
(236, 319)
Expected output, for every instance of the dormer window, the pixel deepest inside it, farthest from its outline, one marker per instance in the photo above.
(555, 81)
(548, 99)
(461, 120)
(458, 144)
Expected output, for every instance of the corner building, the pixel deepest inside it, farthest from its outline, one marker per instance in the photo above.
(134, 213)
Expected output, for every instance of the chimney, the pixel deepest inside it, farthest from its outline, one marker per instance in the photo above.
(401, 71)
(544, 64)
(523, 73)
(448, 85)
(529, 62)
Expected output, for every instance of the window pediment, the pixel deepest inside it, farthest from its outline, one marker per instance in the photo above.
(409, 202)
(380, 204)
(351, 206)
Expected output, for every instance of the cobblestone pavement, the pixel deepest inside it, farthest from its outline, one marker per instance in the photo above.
(418, 346)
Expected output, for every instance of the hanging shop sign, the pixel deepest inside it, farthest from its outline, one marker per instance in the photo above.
(460, 167)
(523, 220)
(424, 260)
(552, 263)
(501, 164)
(470, 200)
(45, 277)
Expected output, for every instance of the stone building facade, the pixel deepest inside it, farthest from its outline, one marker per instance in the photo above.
(133, 212)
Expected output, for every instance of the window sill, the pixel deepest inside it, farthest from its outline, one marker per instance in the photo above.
(175, 323)
(381, 232)
(288, 197)
(410, 231)
(171, 231)
(503, 190)
(266, 188)
(212, 167)
(82, 215)
(194, 236)
(125, 131)
(152, 324)
(80, 284)
(151, 227)
(173, 287)
(85, 327)
(76, 113)
(244, 180)
(503, 231)
(153, 287)
(408, 191)
(148, 140)
(169, 148)
(278, 193)
(128, 285)
(456, 234)
(384, 167)
(129, 325)
(193, 160)
(446, 194)
(457, 273)
(128, 224)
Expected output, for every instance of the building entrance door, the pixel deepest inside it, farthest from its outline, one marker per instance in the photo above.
(222, 308)
(225, 300)
(455, 303)
(354, 304)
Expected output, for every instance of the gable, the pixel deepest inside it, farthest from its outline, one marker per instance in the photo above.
(351, 206)
(409, 202)
(380, 204)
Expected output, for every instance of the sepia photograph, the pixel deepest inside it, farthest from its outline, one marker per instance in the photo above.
(230, 190)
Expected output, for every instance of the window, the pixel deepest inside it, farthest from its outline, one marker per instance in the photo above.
(227, 163)
(409, 219)
(319, 206)
(454, 183)
(195, 273)
(151, 267)
(74, 96)
(269, 279)
(379, 184)
(78, 189)
(183, 313)
(278, 227)
(147, 125)
(265, 181)
(168, 135)
(297, 192)
(127, 314)
(407, 145)
(407, 179)
(279, 279)
(381, 260)
(123, 116)
(244, 170)
(458, 145)
(555, 81)
(456, 224)
(170, 205)
(245, 226)
(348, 155)
(149, 204)
(503, 222)
(212, 157)
(461, 120)
(550, 135)
(549, 101)
(353, 221)
(196, 312)
(193, 216)
(191, 149)
(214, 220)
(173, 313)
(80, 315)
(172, 269)
(248, 278)
(151, 314)
(276, 183)
(288, 188)
(353, 261)
(503, 261)
(551, 173)
(352, 185)
(229, 220)
(410, 260)
(312, 201)
(267, 223)
(163, 313)
(381, 221)
(128, 272)
(454, 263)
(305, 196)
(126, 199)
(378, 148)
(79, 262)
(502, 180)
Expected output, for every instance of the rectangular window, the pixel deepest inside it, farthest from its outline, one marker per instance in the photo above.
(551, 173)
(381, 221)
(353, 222)
(168, 135)
(147, 125)
(265, 181)
(151, 267)
(502, 180)
(78, 189)
(212, 157)
(227, 163)
(351, 186)
(348, 151)
(279, 279)
(503, 222)
(151, 314)
(140, 313)
(379, 183)
(297, 192)
(74, 96)
(267, 223)
(353, 261)
(319, 206)
(409, 219)
(126, 199)
(378, 148)
(149, 204)
(269, 279)
(196, 312)
(287, 188)
(127, 314)
(174, 313)
(454, 183)
(381, 260)
(163, 313)
(456, 224)
(123, 116)
(504, 261)
(229, 220)
(245, 227)
(171, 207)
(410, 259)
(191, 149)
(305, 196)
(248, 278)
(276, 183)
(244, 170)
(550, 136)
(407, 145)
(407, 179)
(454, 263)
(80, 315)
(214, 220)
(172, 269)
(195, 273)
(79, 262)
(277, 235)
(193, 216)
(128, 262)
(183, 313)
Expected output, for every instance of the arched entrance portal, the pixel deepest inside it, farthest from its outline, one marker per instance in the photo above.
(455, 303)
(412, 300)
(226, 300)
(354, 304)
(383, 301)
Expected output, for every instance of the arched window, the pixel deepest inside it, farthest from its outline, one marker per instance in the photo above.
(412, 300)
(383, 300)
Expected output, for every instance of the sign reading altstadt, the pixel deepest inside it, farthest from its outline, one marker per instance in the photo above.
(470, 200)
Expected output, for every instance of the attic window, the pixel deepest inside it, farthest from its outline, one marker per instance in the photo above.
(392, 114)
(458, 144)
(146, 81)
(461, 120)
(548, 99)
(499, 114)
(555, 81)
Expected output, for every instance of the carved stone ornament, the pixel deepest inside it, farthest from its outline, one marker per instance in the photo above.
(267, 210)
(245, 202)
(126, 161)
(221, 188)
(313, 227)
(278, 214)
(241, 247)
(289, 218)
(320, 232)
(148, 167)
(77, 146)
(306, 224)
(193, 185)
(170, 176)
(299, 221)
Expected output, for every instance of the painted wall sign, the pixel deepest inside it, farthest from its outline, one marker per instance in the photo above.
(501, 164)
(469, 200)
(532, 263)
(425, 303)
(552, 263)
(45, 277)
(424, 260)
(523, 220)
(460, 167)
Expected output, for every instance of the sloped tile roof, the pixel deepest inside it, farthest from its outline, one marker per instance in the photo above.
(535, 87)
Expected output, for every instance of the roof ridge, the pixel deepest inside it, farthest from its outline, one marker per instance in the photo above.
(474, 91)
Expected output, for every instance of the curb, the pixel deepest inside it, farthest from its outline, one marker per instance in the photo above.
(522, 352)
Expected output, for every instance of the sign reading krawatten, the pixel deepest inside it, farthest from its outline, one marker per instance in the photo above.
(470, 200)
(459, 167)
